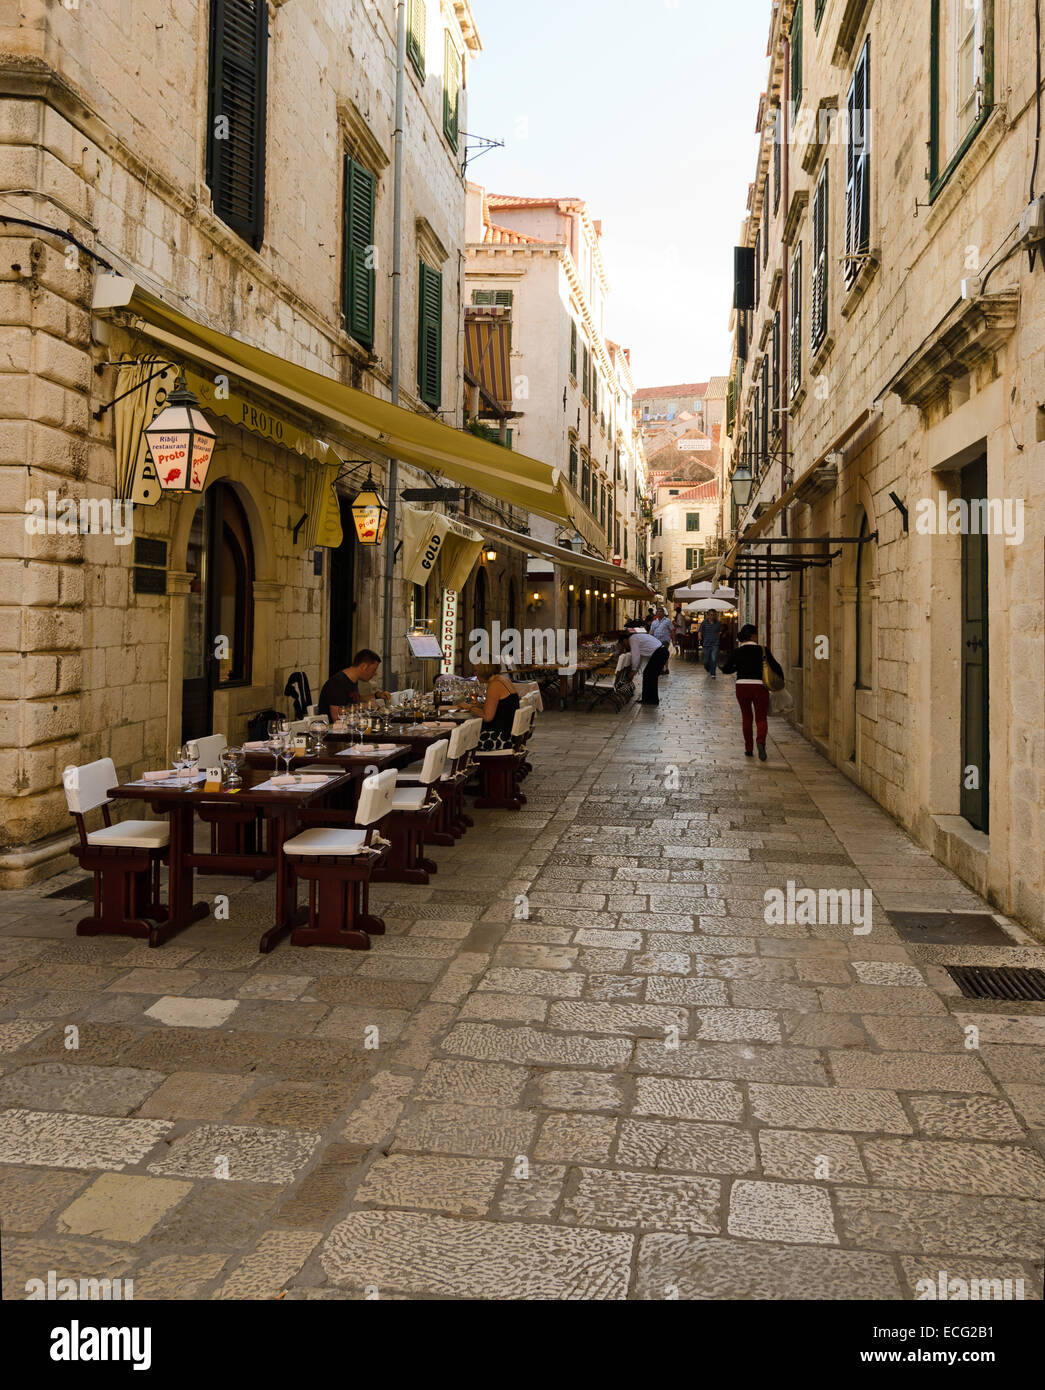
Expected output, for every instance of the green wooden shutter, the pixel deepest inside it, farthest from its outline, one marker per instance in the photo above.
(796, 321)
(236, 115)
(858, 166)
(818, 326)
(573, 350)
(430, 336)
(416, 24)
(796, 60)
(451, 90)
(573, 466)
(358, 277)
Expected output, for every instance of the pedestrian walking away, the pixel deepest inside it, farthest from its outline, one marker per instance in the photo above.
(643, 647)
(710, 634)
(663, 629)
(748, 659)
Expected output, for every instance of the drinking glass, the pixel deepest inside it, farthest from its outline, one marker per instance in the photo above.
(287, 749)
(180, 758)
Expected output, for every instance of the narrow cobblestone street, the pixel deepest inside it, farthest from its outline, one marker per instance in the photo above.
(599, 1073)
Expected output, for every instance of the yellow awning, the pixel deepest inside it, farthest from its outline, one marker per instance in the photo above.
(355, 416)
(569, 559)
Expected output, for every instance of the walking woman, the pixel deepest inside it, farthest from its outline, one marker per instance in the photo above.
(746, 659)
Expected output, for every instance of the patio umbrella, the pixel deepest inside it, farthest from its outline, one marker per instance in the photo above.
(709, 605)
(690, 591)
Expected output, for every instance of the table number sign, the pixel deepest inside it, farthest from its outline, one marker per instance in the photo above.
(213, 782)
(300, 744)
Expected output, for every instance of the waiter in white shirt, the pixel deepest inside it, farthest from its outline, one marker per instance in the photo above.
(645, 648)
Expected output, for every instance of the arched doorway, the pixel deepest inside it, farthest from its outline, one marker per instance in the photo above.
(479, 601)
(342, 591)
(219, 620)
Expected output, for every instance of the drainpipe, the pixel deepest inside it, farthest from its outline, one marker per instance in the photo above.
(397, 286)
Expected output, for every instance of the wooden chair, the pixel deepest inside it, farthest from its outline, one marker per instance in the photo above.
(124, 858)
(338, 865)
(500, 769)
(618, 690)
(414, 807)
(449, 824)
(232, 830)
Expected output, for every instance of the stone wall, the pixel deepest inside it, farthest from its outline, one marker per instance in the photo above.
(900, 738)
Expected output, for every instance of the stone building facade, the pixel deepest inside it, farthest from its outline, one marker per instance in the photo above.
(887, 389)
(110, 117)
(573, 388)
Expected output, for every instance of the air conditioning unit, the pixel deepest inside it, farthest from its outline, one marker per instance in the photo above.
(1032, 222)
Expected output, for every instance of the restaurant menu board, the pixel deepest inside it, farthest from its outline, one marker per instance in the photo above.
(425, 645)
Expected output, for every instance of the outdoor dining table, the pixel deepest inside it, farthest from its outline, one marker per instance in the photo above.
(575, 677)
(417, 737)
(281, 807)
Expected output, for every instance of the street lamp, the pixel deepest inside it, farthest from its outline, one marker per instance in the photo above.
(180, 442)
(742, 483)
(369, 514)
(491, 556)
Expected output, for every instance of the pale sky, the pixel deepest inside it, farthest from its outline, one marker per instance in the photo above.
(646, 110)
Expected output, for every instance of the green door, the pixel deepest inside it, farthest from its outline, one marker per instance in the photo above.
(975, 713)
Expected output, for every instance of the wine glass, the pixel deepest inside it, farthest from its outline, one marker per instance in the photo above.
(286, 748)
(180, 759)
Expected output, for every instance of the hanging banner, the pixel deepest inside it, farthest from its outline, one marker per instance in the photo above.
(136, 479)
(423, 536)
(323, 527)
(448, 636)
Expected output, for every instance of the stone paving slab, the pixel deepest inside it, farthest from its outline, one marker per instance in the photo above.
(642, 1089)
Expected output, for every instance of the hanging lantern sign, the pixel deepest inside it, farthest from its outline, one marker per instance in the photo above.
(369, 514)
(180, 442)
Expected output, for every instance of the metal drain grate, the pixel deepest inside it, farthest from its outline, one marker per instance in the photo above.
(998, 982)
(949, 928)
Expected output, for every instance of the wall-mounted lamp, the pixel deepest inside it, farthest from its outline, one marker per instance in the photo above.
(369, 514)
(491, 556)
(180, 442)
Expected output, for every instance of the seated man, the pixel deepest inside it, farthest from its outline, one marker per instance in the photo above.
(342, 689)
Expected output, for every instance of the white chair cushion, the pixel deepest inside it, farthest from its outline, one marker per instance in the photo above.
(409, 798)
(132, 834)
(323, 839)
(498, 753)
(412, 769)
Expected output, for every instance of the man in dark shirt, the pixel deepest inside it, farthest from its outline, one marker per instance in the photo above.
(342, 689)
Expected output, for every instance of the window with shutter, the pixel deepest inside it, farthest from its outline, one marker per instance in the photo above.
(778, 135)
(430, 336)
(416, 26)
(961, 81)
(774, 423)
(451, 90)
(357, 252)
(756, 410)
(573, 466)
(586, 482)
(819, 307)
(692, 521)
(500, 298)
(796, 60)
(765, 223)
(584, 370)
(758, 267)
(236, 115)
(763, 430)
(858, 167)
(795, 343)
(573, 350)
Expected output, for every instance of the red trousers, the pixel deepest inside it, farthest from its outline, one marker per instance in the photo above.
(753, 698)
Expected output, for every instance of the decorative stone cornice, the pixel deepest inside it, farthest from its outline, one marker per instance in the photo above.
(267, 591)
(432, 249)
(963, 341)
(179, 582)
(774, 288)
(856, 291)
(849, 27)
(799, 203)
(818, 484)
(812, 151)
(359, 138)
